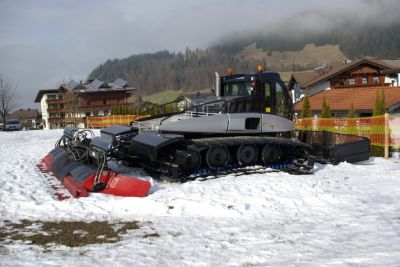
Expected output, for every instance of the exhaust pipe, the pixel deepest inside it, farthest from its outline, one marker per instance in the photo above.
(217, 84)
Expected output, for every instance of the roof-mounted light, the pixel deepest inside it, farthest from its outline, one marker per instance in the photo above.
(229, 71)
(260, 68)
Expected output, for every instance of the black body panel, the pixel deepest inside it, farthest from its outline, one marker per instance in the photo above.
(147, 145)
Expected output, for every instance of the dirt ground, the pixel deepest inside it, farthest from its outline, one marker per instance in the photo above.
(71, 234)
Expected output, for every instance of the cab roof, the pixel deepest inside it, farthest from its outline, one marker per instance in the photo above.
(247, 76)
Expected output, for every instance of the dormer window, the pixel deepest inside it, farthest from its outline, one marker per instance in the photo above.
(341, 82)
(375, 80)
(352, 81)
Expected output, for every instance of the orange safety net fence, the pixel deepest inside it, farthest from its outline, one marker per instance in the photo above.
(380, 130)
(106, 121)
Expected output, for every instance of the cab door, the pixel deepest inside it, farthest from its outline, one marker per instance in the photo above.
(283, 104)
(276, 107)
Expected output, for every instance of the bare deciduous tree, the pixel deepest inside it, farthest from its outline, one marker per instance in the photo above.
(7, 99)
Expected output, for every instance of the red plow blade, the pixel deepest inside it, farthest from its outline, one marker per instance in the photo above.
(79, 178)
(115, 184)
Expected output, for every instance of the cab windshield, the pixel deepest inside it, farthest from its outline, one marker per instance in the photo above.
(237, 89)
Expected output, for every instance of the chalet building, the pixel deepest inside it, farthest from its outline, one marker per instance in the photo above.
(72, 102)
(349, 83)
(29, 118)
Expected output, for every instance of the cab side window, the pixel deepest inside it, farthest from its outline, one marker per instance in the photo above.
(282, 106)
(237, 89)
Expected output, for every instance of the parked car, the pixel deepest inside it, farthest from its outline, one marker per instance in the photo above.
(13, 125)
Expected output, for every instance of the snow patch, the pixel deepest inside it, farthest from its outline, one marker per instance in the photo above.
(348, 214)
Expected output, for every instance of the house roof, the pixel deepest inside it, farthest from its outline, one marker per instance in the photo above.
(391, 71)
(394, 63)
(307, 79)
(341, 99)
(24, 114)
(43, 92)
(302, 77)
(92, 86)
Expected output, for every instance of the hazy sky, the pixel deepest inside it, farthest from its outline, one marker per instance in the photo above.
(45, 42)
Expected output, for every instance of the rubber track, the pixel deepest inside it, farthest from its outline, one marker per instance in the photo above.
(297, 151)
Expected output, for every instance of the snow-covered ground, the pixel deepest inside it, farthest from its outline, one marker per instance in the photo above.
(345, 215)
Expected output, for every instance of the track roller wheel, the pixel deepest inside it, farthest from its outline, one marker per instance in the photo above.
(190, 161)
(217, 156)
(271, 154)
(246, 154)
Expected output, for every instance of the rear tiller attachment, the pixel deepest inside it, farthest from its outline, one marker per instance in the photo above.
(80, 164)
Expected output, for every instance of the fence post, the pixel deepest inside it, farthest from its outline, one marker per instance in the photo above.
(386, 135)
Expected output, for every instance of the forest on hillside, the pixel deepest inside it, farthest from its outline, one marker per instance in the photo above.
(191, 70)
(194, 69)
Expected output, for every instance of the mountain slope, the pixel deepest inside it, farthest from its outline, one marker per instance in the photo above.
(289, 50)
(307, 58)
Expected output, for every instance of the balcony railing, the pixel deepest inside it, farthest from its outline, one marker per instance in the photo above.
(55, 101)
(74, 120)
(88, 108)
(56, 119)
(56, 110)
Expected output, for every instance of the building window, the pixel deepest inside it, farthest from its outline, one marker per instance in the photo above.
(364, 81)
(87, 114)
(375, 80)
(95, 113)
(352, 81)
(341, 82)
(105, 112)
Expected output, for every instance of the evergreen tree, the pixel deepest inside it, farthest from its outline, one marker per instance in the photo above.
(306, 111)
(326, 110)
(114, 110)
(380, 105)
(352, 111)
